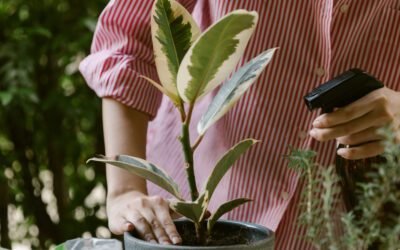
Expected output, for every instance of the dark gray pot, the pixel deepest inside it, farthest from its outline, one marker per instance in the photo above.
(259, 237)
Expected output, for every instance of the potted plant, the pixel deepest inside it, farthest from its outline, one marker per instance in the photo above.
(190, 65)
(374, 223)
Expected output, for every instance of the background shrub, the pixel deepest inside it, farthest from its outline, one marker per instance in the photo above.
(49, 124)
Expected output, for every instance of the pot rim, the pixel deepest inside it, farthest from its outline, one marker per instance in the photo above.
(270, 237)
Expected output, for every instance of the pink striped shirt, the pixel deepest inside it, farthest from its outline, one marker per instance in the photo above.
(318, 39)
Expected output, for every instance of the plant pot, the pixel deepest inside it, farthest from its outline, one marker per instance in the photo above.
(246, 235)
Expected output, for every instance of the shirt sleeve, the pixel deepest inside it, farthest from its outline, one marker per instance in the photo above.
(122, 51)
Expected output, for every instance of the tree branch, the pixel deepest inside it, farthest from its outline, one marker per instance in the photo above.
(4, 239)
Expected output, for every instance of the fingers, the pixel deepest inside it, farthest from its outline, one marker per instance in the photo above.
(373, 110)
(341, 115)
(158, 231)
(367, 135)
(360, 152)
(357, 123)
(164, 217)
(367, 121)
(150, 217)
(153, 221)
(119, 226)
(142, 226)
(376, 100)
(128, 227)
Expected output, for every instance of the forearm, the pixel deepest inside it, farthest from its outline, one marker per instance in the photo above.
(125, 132)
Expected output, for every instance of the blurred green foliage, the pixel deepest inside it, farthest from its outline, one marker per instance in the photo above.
(49, 122)
(373, 223)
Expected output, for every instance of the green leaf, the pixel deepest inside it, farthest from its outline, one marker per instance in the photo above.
(300, 159)
(215, 54)
(143, 169)
(223, 209)
(5, 98)
(224, 164)
(233, 89)
(90, 24)
(61, 247)
(193, 210)
(41, 31)
(6, 145)
(173, 31)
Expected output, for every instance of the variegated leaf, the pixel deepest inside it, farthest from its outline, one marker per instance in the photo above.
(173, 31)
(215, 54)
(193, 210)
(223, 209)
(143, 169)
(233, 89)
(224, 164)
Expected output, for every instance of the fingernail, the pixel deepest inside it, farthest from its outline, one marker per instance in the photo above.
(165, 243)
(129, 227)
(153, 241)
(176, 240)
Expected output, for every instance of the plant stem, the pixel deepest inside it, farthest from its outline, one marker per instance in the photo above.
(309, 195)
(200, 233)
(188, 153)
(328, 202)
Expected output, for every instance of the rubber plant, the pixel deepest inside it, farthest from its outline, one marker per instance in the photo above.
(190, 65)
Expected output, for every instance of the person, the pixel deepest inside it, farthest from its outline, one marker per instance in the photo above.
(317, 39)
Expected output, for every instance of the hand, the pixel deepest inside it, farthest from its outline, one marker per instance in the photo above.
(357, 124)
(148, 215)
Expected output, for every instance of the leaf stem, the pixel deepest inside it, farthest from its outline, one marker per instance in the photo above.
(189, 114)
(182, 111)
(198, 140)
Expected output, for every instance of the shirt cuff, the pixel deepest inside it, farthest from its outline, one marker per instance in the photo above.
(117, 77)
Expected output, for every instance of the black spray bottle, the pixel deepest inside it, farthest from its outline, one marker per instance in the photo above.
(339, 92)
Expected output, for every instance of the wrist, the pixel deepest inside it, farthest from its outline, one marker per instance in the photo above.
(115, 192)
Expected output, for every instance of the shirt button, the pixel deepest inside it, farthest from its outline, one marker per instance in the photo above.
(285, 195)
(320, 71)
(344, 8)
